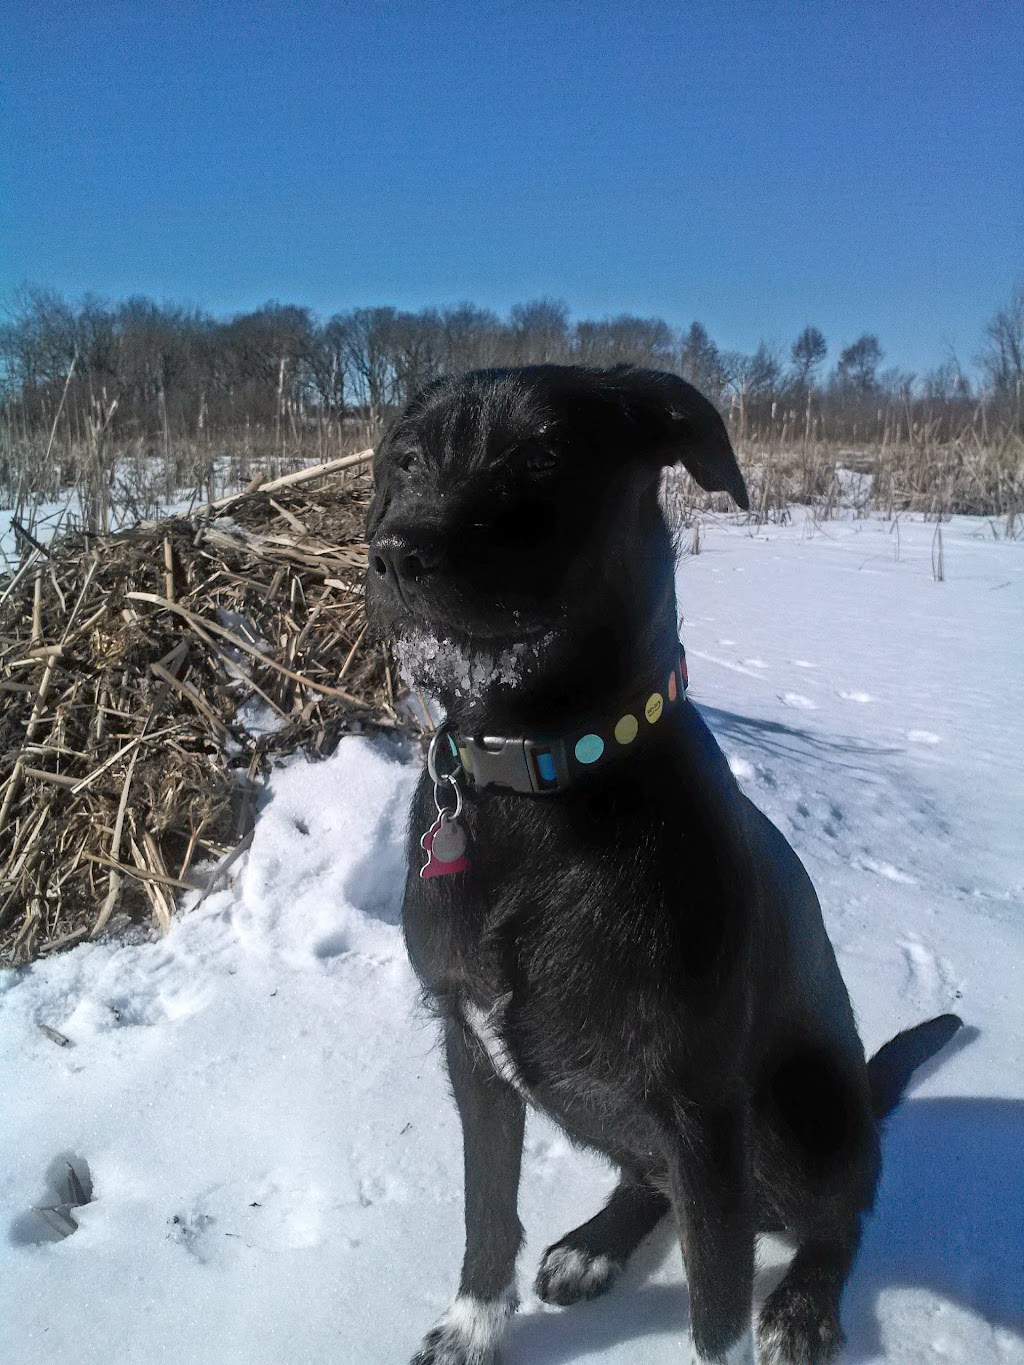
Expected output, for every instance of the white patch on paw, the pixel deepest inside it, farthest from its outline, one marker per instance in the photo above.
(793, 1331)
(470, 1332)
(567, 1270)
(771, 1342)
(740, 1353)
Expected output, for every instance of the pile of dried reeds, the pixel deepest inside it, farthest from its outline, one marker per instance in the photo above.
(145, 680)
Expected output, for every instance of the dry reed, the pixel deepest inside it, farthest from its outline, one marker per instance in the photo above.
(969, 475)
(130, 667)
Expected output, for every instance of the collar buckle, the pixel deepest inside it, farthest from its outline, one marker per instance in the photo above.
(545, 767)
(536, 767)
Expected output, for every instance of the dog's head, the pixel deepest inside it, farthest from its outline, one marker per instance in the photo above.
(515, 537)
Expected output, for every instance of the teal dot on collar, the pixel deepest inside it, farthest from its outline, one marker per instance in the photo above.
(589, 749)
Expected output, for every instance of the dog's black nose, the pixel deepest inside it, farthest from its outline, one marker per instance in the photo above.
(404, 557)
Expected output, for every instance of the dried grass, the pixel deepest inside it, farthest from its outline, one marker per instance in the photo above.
(968, 475)
(125, 659)
(124, 662)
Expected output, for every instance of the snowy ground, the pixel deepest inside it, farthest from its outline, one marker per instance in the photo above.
(256, 1102)
(140, 491)
(45, 520)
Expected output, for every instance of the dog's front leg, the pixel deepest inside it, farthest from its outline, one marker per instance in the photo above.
(493, 1119)
(710, 1186)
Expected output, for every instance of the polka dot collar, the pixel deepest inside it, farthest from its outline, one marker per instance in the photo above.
(545, 766)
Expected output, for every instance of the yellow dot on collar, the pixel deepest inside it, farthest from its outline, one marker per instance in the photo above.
(626, 728)
(654, 707)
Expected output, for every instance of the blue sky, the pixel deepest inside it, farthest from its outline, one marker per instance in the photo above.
(855, 165)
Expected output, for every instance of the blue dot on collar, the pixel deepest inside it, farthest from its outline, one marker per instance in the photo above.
(589, 749)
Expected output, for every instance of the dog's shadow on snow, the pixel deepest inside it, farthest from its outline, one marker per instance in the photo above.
(949, 1216)
(949, 1219)
(790, 741)
(632, 1311)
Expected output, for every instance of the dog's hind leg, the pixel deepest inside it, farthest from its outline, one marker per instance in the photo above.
(493, 1118)
(709, 1180)
(818, 1161)
(587, 1261)
(799, 1323)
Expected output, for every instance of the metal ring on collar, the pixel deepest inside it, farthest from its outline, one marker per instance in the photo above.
(441, 807)
(432, 769)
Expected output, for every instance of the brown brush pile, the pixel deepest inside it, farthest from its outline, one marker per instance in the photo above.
(146, 680)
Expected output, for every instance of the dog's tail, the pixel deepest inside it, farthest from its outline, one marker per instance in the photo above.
(890, 1069)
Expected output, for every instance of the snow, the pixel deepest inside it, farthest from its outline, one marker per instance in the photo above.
(423, 659)
(256, 1101)
(41, 521)
(139, 491)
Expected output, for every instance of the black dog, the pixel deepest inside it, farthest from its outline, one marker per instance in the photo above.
(608, 928)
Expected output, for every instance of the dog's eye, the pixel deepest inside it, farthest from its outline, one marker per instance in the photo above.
(408, 461)
(541, 461)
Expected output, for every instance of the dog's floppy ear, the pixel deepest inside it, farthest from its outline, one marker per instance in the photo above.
(677, 424)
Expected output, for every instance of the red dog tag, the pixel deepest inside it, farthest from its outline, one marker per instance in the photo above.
(445, 847)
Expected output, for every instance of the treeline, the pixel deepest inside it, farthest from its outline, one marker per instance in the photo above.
(158, 371)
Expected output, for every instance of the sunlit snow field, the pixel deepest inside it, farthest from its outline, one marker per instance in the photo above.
(257, 1100)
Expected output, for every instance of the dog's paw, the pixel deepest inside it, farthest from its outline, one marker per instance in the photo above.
(739, 1353)
(570, 1275)
(794, 1329)
(468, 1334)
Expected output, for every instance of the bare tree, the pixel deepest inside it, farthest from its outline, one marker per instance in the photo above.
(418, 349)
(858, 365)
(474, 339)
(327, 362)
(946, 383)
(40, 337)
(540, 332)
(1002, 356)
(368, 346)
(807, 353)
(700, 362)
(161, 372)
(625, 340)
(752, 379)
